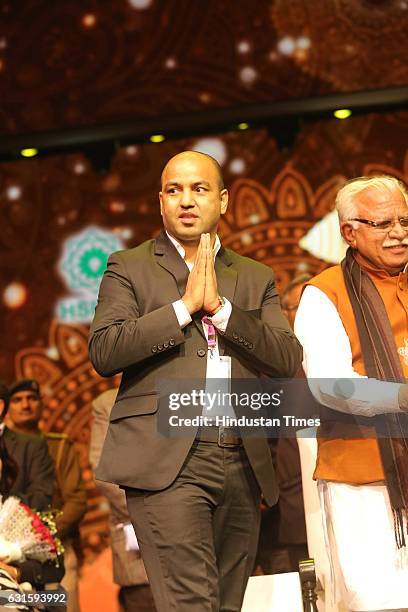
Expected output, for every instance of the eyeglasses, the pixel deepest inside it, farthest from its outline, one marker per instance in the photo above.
(386, 225)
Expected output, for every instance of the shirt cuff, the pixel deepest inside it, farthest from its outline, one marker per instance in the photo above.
(182, 314)
(131, 542)
(360, 396)
(220, 320)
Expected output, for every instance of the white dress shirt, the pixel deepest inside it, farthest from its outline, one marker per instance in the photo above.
(218, 367)
(327, 355)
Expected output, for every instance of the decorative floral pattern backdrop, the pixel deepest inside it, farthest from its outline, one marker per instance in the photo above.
(276, 197)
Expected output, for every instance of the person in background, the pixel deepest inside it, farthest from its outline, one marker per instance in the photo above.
(28, 471)
(128, 569)
(22, 458)
(283, 540)
(70, 494)
(291, 295)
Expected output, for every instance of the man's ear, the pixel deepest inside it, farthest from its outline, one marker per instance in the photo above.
(161, 202)
(224, 200)
(349, 233)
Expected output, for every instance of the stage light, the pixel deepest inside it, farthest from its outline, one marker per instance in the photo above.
(89, 20)
(13, 192)
(15, 295)
(237, 166)
(286, 45)
(243, 126)
(212, 146)
(246, 239)
(157, 138)
(342, 113)
(116, 206)
(131, 150)
(248, 75)
(140, 4)
(303, 42)
(170, 63)
(29, 152)
(79, 167)
(243, 46)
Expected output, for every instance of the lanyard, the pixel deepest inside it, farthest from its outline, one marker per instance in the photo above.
(212, 334)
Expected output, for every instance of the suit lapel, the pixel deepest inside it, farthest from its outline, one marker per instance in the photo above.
(227, 278)
(226, 275)
(168, 258)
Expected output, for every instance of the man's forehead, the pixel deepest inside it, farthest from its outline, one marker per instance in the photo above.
(24, 394)
(382, 202)
(196, 169)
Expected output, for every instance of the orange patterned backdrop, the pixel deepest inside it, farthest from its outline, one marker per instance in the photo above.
(275, 199)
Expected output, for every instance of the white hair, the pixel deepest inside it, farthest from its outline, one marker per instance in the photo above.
(346, 200)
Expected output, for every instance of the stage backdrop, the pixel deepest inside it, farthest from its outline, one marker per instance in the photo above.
(71, 62)
(60, 220)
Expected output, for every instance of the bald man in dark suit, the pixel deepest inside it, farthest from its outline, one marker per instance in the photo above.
(182, 307)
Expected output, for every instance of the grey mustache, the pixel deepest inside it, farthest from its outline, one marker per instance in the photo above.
(403, 242)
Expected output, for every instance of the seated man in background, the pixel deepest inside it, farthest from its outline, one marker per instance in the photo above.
(29, 462)
(70, 493)
(128, 569)
(26, 472)
(352, 323)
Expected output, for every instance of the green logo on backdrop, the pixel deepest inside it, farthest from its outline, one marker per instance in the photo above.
(82, 265)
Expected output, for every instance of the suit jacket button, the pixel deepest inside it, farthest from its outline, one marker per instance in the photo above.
(165, 345)
(235, 335)
(159, 347)
(172, 342)
(154, 349)
(201, 352)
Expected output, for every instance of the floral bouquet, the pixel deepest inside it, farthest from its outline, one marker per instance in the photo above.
(24, 534)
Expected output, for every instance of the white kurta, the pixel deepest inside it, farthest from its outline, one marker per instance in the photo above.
(372, 572)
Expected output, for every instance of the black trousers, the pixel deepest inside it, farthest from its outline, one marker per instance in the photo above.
(198, 537)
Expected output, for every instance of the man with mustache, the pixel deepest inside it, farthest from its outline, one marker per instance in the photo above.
(352, 322)
(185, 309)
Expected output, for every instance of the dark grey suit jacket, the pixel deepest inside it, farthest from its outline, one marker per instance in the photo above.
(136, 331)
(34, 484)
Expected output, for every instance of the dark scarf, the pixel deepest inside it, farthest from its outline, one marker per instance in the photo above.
(382, 362)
